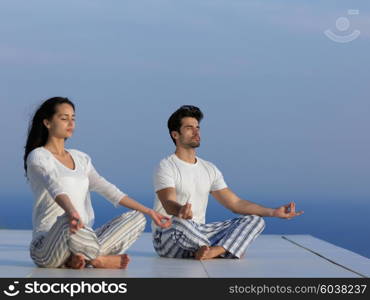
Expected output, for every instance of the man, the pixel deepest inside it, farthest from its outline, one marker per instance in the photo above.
(182, 184)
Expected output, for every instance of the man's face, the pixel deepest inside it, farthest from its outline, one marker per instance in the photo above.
(189, 136)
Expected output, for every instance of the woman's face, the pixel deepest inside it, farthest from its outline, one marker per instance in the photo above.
(62, 123)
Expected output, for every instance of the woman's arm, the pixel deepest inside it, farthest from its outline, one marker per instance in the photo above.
(132, 204)
(108, 190)
(158, 218)
(103, 187)
(75, 222)
(65, 203)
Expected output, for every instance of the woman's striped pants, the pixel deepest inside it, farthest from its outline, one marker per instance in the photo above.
(54, 248)
(185, 237)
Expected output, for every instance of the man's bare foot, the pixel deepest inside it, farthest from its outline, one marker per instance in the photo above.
(111, 261)
(76, 261)
(206, 252)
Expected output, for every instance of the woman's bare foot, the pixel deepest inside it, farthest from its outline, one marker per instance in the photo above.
(206, 252)
(76, 261)
(111, 261)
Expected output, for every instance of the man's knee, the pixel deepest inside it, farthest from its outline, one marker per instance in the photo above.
(260, 221)
(255, 219)
(181, 220)
(180, 223)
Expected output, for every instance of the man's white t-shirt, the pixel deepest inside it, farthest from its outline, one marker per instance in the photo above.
(193, 183)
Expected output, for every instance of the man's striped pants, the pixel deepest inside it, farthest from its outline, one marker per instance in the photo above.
(185, 237)
(53, 249)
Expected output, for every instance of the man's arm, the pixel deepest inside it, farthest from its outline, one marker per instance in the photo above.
(167, 197)
(244, 207)
(239, 206)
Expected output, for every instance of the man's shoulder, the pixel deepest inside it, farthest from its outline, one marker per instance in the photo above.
(207, 164)
(167, 161)
(166, 164)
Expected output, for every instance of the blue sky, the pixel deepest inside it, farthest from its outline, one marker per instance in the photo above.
(286, 108)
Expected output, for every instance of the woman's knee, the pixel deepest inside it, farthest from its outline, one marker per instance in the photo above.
(140, 219)
(51, 263)
(134, 214)
(137, 218)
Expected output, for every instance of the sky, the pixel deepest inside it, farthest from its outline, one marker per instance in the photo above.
(286, 107)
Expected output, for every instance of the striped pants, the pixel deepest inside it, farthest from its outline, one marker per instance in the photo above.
(54, 248)
(185, 237)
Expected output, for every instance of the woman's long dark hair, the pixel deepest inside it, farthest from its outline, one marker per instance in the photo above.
(37, 132)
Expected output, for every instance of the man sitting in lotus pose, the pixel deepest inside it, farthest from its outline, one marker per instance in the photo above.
(182, 184)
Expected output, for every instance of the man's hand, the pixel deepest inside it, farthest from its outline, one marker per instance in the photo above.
(75, 222)
(159, 219)
(185, 211)
(286, 211)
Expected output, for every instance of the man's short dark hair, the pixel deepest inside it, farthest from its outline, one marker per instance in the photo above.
(174, 122)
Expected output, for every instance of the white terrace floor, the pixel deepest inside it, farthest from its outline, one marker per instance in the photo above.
(268, 256)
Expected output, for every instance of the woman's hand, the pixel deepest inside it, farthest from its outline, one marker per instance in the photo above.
(159, 219)
(75, 222)
(286, 211)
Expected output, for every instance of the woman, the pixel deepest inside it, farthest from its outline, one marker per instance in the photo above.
(62, 214)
